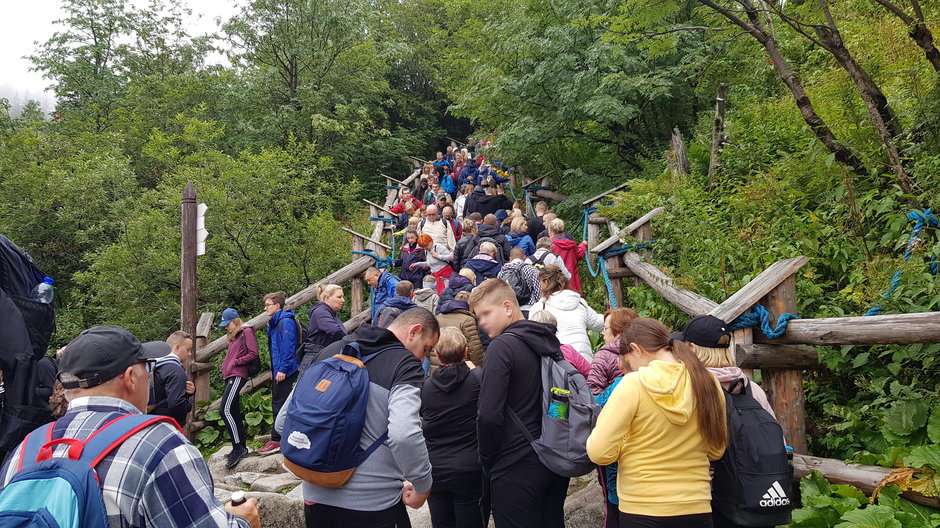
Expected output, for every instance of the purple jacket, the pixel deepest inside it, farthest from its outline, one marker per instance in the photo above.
(240, 352)
(605, 367)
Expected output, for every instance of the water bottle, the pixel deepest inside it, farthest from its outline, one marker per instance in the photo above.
(43, 291)
(238, 498)
(558, 406)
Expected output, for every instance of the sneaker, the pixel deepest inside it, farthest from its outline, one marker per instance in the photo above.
(236, 456)
(270, 447)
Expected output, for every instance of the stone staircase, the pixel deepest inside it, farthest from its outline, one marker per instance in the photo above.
(281, 504)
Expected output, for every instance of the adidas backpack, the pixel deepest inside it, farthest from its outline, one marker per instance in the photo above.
(562, 445)
(64, 492)
(325, 418)
(753, 480)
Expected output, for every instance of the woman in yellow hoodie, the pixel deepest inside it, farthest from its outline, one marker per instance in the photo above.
(662, 424)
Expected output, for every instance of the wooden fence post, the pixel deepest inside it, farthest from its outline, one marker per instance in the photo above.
(201, 376)
(355, 292)
(785, 387)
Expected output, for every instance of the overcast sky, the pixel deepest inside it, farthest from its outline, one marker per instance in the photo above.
(22, 23)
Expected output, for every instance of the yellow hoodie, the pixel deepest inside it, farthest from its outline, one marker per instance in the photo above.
(650, 427)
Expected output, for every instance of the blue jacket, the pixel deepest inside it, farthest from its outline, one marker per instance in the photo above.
(282, 340)
(521, 239)
(447, 184)
(384, 290)
(484, 266)
(467, 175)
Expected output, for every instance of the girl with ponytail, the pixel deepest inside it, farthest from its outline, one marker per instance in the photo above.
(663, 423)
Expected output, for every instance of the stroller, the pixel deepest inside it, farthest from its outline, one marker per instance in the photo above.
(25, 329)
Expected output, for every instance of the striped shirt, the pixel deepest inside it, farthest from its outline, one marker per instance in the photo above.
(155, 478)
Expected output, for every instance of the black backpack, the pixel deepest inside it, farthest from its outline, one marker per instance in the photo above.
(539, 263)
(499, 249)
(517, 281)
(753, 481)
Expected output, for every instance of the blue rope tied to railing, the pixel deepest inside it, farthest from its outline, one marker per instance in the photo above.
(922, 219)
(382, 219)
(380, 262)
(759, 316)
(393, 186)
(620, 250)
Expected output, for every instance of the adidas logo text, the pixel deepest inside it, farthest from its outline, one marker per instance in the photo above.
(775, 496)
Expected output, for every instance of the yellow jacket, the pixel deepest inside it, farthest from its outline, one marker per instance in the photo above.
(650, 427)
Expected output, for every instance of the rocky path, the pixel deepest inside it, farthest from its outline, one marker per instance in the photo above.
(281, 503)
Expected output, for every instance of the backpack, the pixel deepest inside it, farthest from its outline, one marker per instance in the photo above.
(299, 335)
(562, 445)
(386, 315)
(517, 281)
(539, 263)
(753, 481)
(64, 492)
(325, 419)
(254, 366)
(499, 249)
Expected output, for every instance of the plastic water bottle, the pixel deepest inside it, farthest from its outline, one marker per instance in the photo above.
(43, 291)
(238, 498)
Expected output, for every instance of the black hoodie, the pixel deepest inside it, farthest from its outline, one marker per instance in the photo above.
(484, 204)
(488, 231)
(449, 415)
(512, 379)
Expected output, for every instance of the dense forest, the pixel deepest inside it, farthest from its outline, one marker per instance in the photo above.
(833, 137)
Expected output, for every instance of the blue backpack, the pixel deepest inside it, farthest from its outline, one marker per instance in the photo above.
(325, 419)
(63, 492)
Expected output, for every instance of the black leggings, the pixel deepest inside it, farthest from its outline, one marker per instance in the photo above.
(323, 516)
(279, 393)
(530, 496)
(231, 409)
(457, 504)
(699, 520)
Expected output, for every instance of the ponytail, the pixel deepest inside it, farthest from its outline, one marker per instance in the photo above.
(650, 334)
(709, 403)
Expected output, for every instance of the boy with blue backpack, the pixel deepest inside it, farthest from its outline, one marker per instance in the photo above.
(104, 463)
(351, 427)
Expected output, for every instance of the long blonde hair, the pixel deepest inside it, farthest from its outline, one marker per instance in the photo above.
(231, 332)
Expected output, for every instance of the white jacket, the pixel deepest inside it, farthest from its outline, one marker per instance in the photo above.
(574, 317)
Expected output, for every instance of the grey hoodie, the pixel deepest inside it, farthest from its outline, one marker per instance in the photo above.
(427, 298)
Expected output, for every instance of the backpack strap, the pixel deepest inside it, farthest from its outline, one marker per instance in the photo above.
(33, 442)
(111, 435)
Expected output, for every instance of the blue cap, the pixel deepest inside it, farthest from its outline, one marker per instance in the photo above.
(227, 315)
(48, 280)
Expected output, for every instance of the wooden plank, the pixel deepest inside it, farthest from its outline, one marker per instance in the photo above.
(718, 133)
(256, 382)
(357, 288)
(756, 356)
(620, 273)
(593, 233)
(380, 208)
(365, 238)
(347, 272)
(746, 297)
(616, 285)
(784, 387)
(743, 337)
(678, 158)
(542, 179)
(359, 319)
(550, 195)
(896, 329)
(618, 235)
(865, 478)
(387, 177)
(597, 220)
(605, 193)
(687, 301)
(645, 219)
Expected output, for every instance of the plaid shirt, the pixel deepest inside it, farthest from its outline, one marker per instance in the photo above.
(155, 478)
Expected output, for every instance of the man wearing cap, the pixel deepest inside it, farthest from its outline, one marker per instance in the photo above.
(155, 477)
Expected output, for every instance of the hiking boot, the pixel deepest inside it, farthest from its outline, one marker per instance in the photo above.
(270, 447)
(236, 456)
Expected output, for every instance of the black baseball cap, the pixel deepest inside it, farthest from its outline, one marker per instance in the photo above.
(706, 331)
(101, 353)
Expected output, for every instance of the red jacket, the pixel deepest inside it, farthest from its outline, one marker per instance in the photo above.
(570, 252)
(400, 206)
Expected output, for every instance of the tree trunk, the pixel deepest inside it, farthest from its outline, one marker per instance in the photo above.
(924, 38)
(718, 133)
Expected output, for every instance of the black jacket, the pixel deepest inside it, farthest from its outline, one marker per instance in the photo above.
(535, 226)
(169, 390)
(512, 379)
(488, 231)
(478, 202)
(462, 250)
(449, 417)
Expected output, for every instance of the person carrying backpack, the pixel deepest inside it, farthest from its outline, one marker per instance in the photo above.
(663, 424)
(485, 264)
(241, 363)
(284, 336)
(523, 278)
(543, 257)
(353, 469)
(525, 492)
(171, 390)
(752, 483)
(106, 464)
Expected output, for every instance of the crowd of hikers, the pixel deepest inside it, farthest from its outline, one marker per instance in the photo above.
(475, 388)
